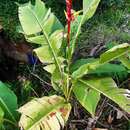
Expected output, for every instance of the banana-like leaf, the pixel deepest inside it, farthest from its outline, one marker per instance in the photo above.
(74, 26)
(8, 102)
(108, 87)
(88, 97)
(85, 69)
(113, 70)
(1, 116)
(78, 63)
(38, 22)
(89, 8)
(125, 61)
(44, 54)
(46, 113)
(114, 53)
(34, 18)
(50, 68)
(57, 81)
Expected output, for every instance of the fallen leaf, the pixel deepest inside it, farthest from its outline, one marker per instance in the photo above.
(119, 114)
(99, 129)
(110, 119)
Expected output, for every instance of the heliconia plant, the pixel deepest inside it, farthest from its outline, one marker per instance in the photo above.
(56, 47)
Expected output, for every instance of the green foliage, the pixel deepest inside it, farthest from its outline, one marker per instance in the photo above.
(115, 52)
(9, 18)
(89, 8)
(108, 87)
(124, 59)
(66, 78)
(108, 3)
(108, 69)
(88, 98)
(8, 105)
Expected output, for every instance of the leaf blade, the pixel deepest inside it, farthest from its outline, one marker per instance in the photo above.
(32, 116)
(115, 52)
(8, 102)
(108, 87)
(88, 97)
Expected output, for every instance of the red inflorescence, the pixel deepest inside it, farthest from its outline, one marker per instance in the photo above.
(69, 18)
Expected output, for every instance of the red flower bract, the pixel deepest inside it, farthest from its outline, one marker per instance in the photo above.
(69, 18)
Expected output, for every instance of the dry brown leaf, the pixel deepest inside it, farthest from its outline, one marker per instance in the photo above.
(119, 114)
(110, 119)
(99, 129)
(1, 28)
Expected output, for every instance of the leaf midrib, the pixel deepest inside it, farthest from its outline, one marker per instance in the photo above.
(47, 39)
(7, 109)
(52, 110)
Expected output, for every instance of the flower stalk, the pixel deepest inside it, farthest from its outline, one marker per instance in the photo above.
(69, 19)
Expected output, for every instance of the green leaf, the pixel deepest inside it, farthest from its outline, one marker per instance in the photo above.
(74, 26)
(57, 81)
(31, 15)
(108, 87)
(39, 22)
(114, 53)
(92, 66)
(125, 61)
(46, 113)
(44, 54)
(78, 63)
(88, 97)
(85, 69)
(28, 15)
(50, 68)
(56, 40)
(89, 8)
(37, 39)
(8, 102)
(1, 116)
(113, 70)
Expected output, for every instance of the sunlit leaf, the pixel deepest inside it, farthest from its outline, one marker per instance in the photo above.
(46, 113)
(115, 52)
(108, 87)
(37, 22)
(88, 97)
